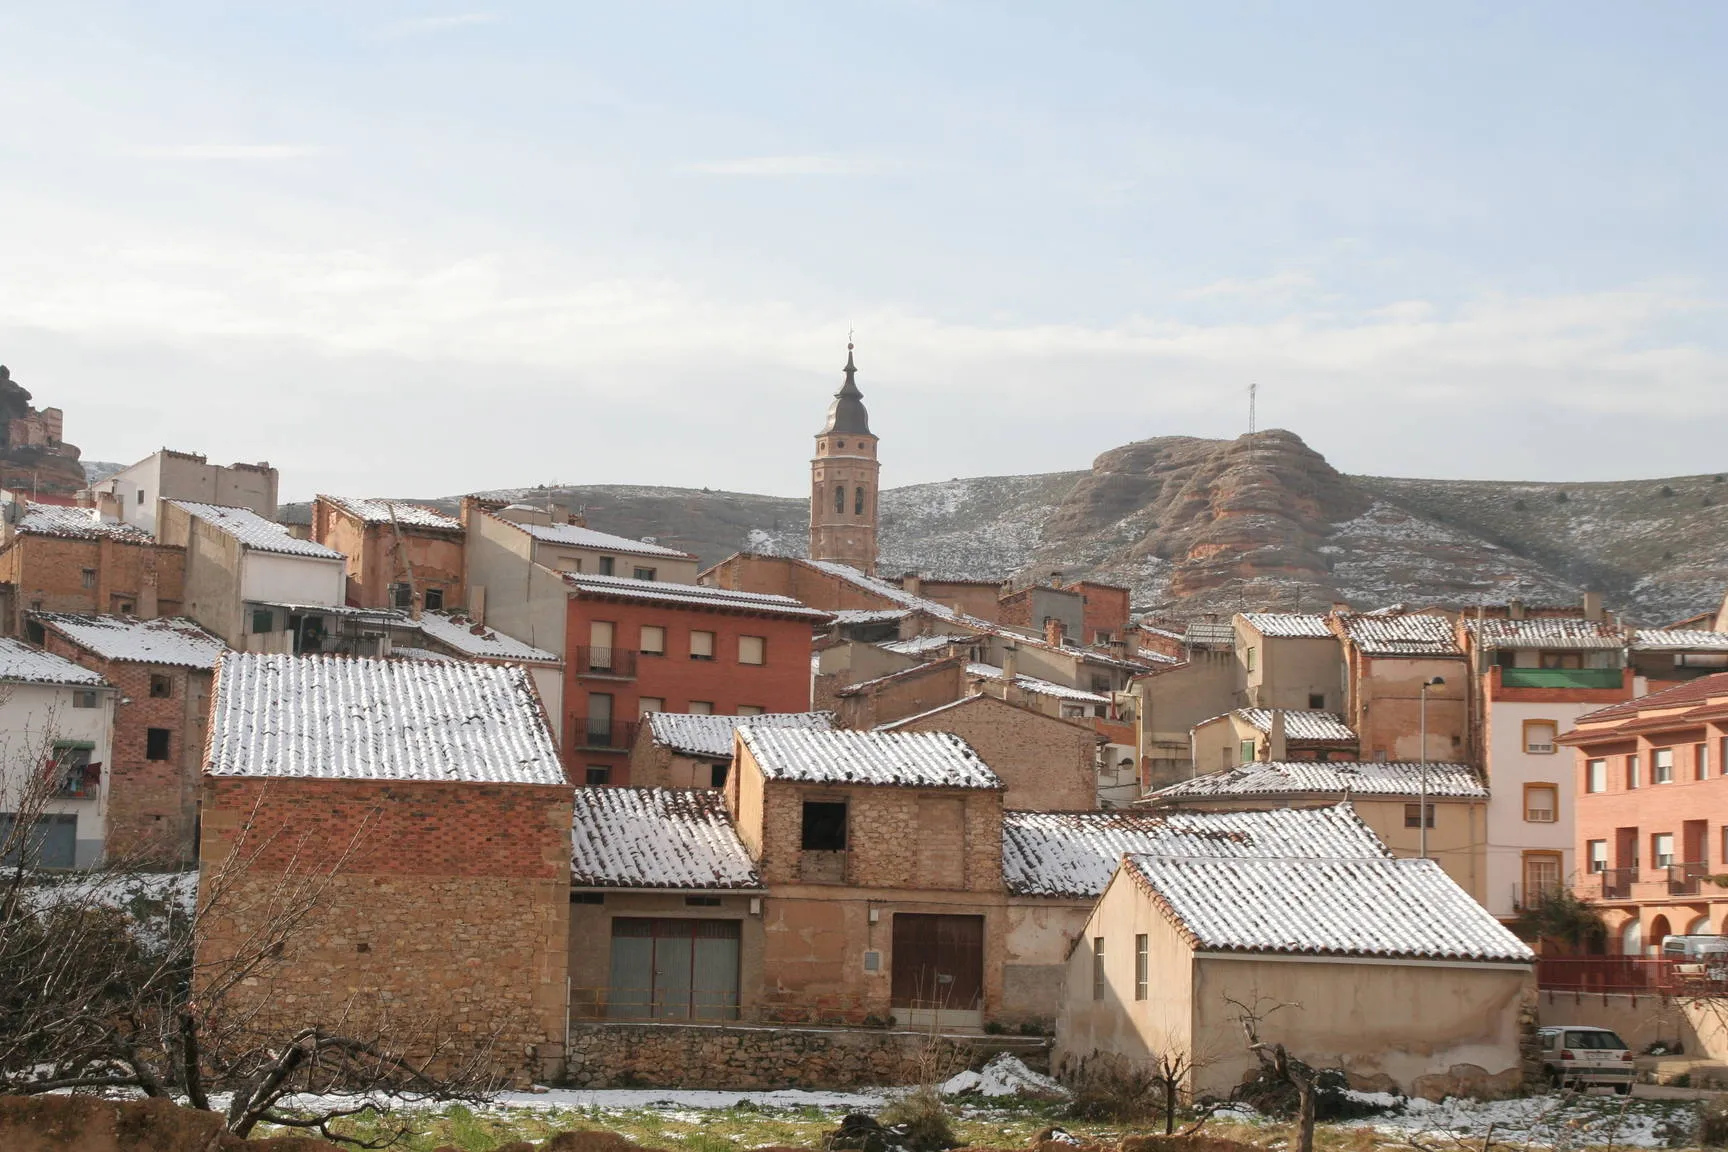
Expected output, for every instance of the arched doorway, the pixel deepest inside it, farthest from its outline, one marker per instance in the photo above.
(1659, 931)
(1632, 938)
(1700, 925)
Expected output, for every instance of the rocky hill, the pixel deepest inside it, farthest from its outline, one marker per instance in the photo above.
(1197, 525)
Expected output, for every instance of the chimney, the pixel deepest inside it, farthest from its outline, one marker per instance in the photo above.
(1010, 661)
(1053, 631)
(1131, 642)
(912, 584)
(1277, 748)
(1056, 579)
(1515, 609)
(1592, 605)
(1339, 608)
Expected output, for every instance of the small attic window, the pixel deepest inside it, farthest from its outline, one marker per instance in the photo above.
(839, 443)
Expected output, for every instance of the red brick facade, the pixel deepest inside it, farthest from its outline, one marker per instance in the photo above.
(375, 561)
(676, 680)
(453, 907)
(152, 803)
(64, 574)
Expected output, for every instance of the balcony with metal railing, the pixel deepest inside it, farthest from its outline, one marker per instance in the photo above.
(603, 733)
(1617, 882)
(1683, 879)
(605, 663)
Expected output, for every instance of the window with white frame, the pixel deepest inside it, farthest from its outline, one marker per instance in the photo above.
(1598, 854)
(1596, 775)
(1662, 766)
(1662, 849)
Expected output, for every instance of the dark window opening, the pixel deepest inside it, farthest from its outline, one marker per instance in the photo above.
(606, 564)
(156, 743)
(702, 901)
(434, 599)
(89, 577)
(161, 687)
(587, 897)
(1413, 816)
(839, 497)
(263, 620)
(597, 776)
(1317, 700)
(858, 503)
(34, 632)
(644, 574)
(824, 826)
(401, 596)
(718, 777)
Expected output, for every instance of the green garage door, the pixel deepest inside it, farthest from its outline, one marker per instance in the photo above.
(667, 969)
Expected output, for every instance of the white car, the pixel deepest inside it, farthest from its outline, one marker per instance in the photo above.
(1579, 1057)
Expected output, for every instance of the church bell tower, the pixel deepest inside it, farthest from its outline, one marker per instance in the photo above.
(843, 477)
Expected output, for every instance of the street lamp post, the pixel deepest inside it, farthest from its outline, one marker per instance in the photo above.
(1422, 808)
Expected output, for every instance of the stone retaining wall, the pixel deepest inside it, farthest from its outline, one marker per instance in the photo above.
(746, 1057)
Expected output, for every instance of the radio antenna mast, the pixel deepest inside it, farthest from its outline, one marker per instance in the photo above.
(1253, 395)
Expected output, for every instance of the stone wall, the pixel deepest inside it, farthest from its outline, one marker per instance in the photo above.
(1047, 763)
(741, 1058)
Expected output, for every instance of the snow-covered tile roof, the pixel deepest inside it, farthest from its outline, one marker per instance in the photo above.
(256, 532)
(1210, 634)
(1346, 907)
(1559, 632)
(691, 595)
(1036, 686)
(346, 718)
(870, 615)
(1678, 640)
(172, 640)
(457, 631)
(77, 523)
(1074, 854)
(657, 838)
(1415, 635)
(406, 515)
(905, 759)
(919, 645)
(1686, 694)
(576, 536)
(897, 595)
(1298, 625)
(711, 736)
(408, 652)
(21, 663)
(1355, 777)
(1303, 725)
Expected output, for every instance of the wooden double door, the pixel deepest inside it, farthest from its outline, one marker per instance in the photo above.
(938, 967)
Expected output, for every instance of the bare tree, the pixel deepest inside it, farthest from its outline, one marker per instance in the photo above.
(119, 979)
(1276, 1064)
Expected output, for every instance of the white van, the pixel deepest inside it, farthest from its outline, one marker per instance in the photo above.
(1580, 1057)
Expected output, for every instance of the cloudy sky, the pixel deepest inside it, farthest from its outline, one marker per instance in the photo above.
(417, 249)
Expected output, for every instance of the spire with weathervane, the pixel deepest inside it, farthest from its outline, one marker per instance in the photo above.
(843, 476)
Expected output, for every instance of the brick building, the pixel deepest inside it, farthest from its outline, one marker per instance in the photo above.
(431, 796)
(637, 646)
(1651, 812)
(161, 670)
(59, 559)
(882, 854)
(400, 555)
(1387, 659)
(1046, 764)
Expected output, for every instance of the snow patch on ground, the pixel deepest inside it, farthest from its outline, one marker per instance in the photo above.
(1005, 1075)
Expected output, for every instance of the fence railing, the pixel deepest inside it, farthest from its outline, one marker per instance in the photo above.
(1683, 879)
(1667, 976)
(604, 732)
(1617, 883)
(615, 663)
